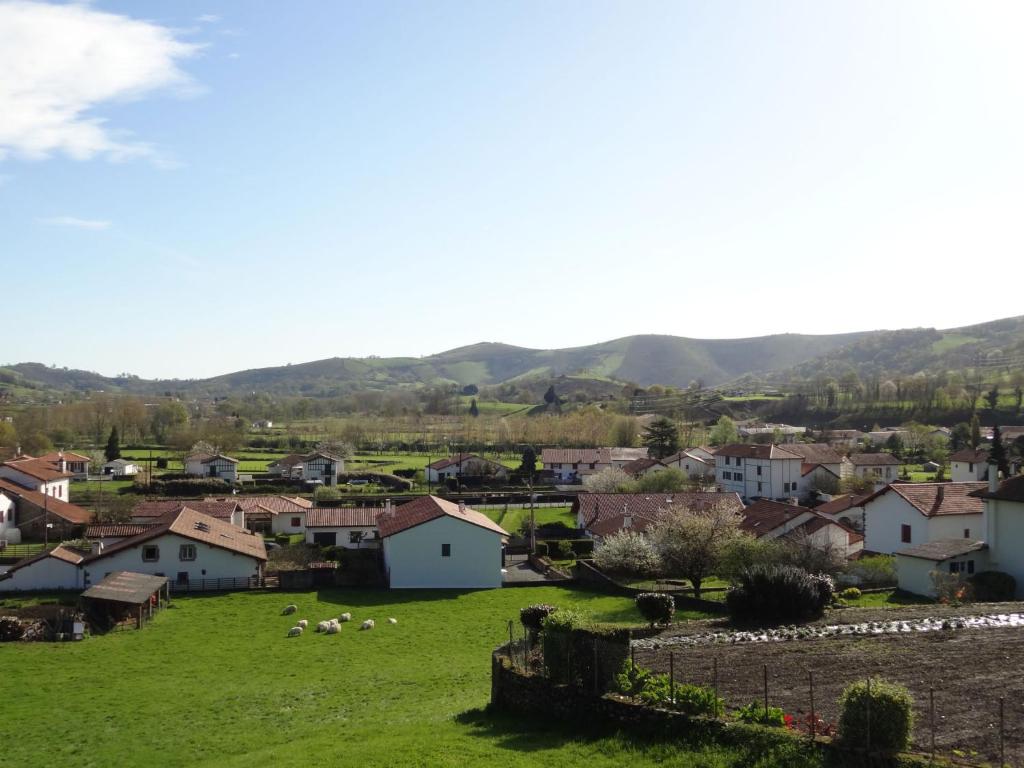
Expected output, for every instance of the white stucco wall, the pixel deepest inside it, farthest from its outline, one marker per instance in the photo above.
(884, 516)
(8, 528)
(914, 574)
(282, 522)
(413, 557)
(968, 472)
(48, 573)
(217, 563)
(1005, 537)
(779, 478)
(343, 535)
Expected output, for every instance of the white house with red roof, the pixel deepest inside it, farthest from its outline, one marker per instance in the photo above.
(349, 527)
(777, 520)
(464, 465)
(212, 465)
(901, 515)
(696, 463)
(77, 464)
(601, 514)
(434, 543)
(37, 475)
(969, 465)
(758, 471)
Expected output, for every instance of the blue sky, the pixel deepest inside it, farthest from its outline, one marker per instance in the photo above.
(215, 186)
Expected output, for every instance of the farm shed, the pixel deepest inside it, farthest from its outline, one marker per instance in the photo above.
(56, 568)
(915, 565)
(433, 543)
(125, 596)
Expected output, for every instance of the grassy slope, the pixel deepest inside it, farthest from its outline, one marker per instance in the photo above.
(213, 681)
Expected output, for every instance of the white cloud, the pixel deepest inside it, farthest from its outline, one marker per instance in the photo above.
(59, 62)
(208, 18)
(234, 55)
(74, 221)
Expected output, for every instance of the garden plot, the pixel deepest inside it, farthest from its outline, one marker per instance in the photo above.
(970, 659)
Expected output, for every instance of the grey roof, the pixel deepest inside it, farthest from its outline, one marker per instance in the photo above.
(126, 587)
(943, 549)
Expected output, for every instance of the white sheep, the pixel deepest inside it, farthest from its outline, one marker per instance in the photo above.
(333, 629)
(294, 631)
(322, 626)
(302, 623)
(345, 617)
(289, 609)
(392, 620)
(368, 624)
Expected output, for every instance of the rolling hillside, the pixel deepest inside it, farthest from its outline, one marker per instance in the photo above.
(644, 360)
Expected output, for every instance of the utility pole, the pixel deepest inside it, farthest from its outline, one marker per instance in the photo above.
(46, 517)
(533, 520)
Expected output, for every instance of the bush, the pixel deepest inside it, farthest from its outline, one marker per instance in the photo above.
(582, 547)
(626, 552)
(532, 616)
(161, 463)
(656, 607)
(185, 486)
(778, 594)
(656, 690)
(891, 718)
(850, 593)
(556, 632)
(754, 712)
(993, 586)
(560, 550)
(542, 549)
(873, 571)
(10, 629)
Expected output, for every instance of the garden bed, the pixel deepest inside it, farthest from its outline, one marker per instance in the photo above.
(969, 670)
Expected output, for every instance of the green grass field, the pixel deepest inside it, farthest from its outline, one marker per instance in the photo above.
(513, 519)
(213, 681)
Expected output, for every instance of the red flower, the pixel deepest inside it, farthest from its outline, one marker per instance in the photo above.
(788, 720)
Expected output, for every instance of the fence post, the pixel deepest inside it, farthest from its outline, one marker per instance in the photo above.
(672, 677)
(931, 717)
(1002, 740)
(714, 681)
(597, 676)
(766, 693)
(632, 659)
(814, 721)
(867, 727)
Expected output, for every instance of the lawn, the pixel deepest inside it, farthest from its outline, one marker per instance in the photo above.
(214, 681)
(513, 519)
(890, 598)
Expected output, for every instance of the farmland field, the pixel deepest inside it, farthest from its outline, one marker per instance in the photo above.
(214, 681)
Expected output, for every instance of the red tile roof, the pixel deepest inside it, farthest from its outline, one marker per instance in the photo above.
(592, 508)
(70, 513)
(764, 516)
(115, 530)
(343, 517)
(40, 469)
(815, 453)
(873, 459)
(427, 508)
(576, 456)
(197, 526)
(277, 505)
(1008, 490)
(221, 509)
(931, 499)
(970, 455)
(841, 503)
(60, 552)
(639, 466)
(744, 451)
(56, 456)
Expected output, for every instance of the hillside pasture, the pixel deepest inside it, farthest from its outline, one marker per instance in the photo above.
(214, 681)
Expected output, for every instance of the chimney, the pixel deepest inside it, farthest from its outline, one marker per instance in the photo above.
(627, 521)
(993, 478)
(462, 507)
(387, 506)
(96, 547)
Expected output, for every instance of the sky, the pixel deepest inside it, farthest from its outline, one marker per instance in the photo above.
(191, 188)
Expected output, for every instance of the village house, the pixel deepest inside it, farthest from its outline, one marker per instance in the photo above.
(226, 510)
(434, 543)
(75, 464)
(33, 503)
(464, 465)
(320, 468)
(768, 519)
(641, 467)
(758, 471)
(212, 465)
(904, 514)
(190, 548)
(879, 467)
(696, 463)
(121, 468)
(571, 465)
(601, 514)
(969, 465)
(37, 475)
(270, 514)
(844, 438)
(846, 509)
(349, 527)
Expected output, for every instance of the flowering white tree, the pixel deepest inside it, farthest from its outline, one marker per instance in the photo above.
(627, 552)
(692, 542)
(611, 480)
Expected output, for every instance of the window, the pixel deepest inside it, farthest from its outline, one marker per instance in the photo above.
(726, 475)
(970, 566)
(967, 533)
(954, 567)
(726, 461)
(737, 475)
(354, 537)
(182, 578)
(970, 466)
(187, 552)
(758, 486)
(150, 553)
(888, 471)
(905, 534)
(758, 470)
(446, 550)
(296, 522)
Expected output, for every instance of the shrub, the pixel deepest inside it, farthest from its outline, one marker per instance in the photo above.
(754, 712)
(891, 715)
(161, 463)
(10, 629)
(626, 552)
(656, 607)
(556, 633)
(532, 616)
(993, 586)
(542, 549)
(873, 571)
(850, 593)
(582, 547)
(778, 594)
(560, 550)
(656, 690)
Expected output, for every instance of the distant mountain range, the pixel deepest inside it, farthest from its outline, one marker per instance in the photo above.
(644, 360)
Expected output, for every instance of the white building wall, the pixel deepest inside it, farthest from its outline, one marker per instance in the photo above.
(343, 536)
(413, 557)
(968, 471)
(779, 478)
(1005, 538)
(953, 526)
(58, 489)
(883, 518)
(210, 562)
(8, 529)
(48, 573)
(282, 522)
(914, 574)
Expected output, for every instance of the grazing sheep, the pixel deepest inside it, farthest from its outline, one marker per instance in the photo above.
(302, 623)
(333, 629)
(322, 626)
(294, 631)
(345, 617)
(392, 620)
(289, 609)
(368, 624)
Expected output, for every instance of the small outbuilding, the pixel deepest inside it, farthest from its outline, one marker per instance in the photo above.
(915, 565)
(125, 597)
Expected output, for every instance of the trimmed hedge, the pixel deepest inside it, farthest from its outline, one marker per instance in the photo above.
(891, 716)
(656, 607)
(778, 594)
(993, 586)
(532, 617)
(570, 548)
(200, 486)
